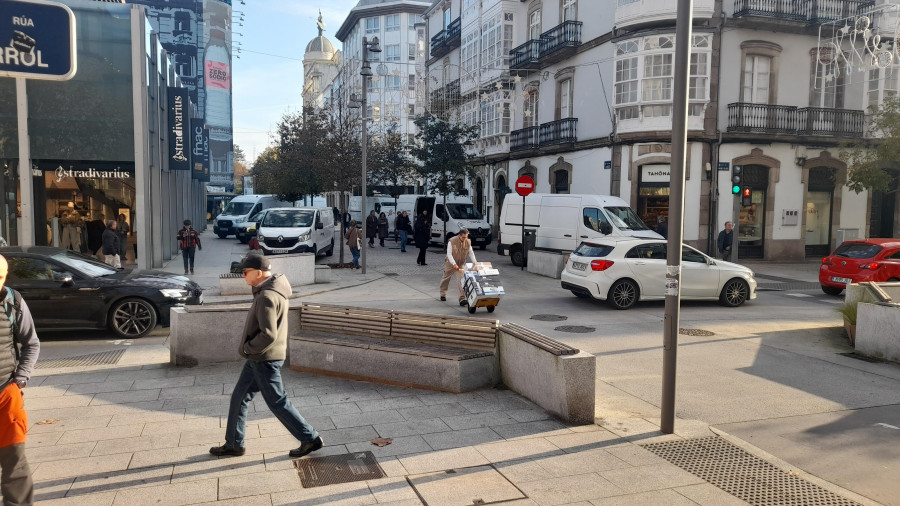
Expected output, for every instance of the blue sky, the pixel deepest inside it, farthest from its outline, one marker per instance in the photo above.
(268, 76)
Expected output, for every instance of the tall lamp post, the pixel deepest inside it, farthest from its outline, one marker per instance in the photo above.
(366, 73)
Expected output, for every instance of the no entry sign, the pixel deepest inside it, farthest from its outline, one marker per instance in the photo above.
(524, 185)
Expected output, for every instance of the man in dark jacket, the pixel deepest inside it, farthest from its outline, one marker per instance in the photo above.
(95, 230)
(188, 243)
(111, 246)
(19, 349)
(422, 235)
(724, 241)
(371, 228)
(264, 345)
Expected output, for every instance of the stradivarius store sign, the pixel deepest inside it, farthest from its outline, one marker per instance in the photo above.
(179, 129)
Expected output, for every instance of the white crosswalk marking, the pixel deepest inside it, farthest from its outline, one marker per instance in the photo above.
(798, 295)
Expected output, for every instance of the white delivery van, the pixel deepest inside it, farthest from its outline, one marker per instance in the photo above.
(297, 230)
(378, 203)
(240, 209)
(460, 212)
(560, 222)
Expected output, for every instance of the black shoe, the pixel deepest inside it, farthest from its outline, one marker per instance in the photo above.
(443, 298)
(423, 263)
(463, 303)
(307, 448)
(227, 451)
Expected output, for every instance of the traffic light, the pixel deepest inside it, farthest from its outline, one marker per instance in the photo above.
(746, 201)
(736, 179)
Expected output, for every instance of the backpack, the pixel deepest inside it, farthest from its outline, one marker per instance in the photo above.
(12, 303)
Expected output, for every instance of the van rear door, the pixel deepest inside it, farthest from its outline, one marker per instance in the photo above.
(559, 223)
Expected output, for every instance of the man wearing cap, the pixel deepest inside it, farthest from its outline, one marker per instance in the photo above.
(188, 243)
(264, 345)
(458, 249)
(19, 349)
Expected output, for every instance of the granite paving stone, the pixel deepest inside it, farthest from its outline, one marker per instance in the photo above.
(389, 490)
(351, 396)
(635, 455)
(96, 388)
(191, 392)
(35, 392)
(471, 485)
(169, 495)
(280, 460)
(400, 446)
(152, 416)
(442, 460)
(157, 383)
(62, 425)
(51, 489)
(58, 403)
(276, 428)
(580, 441)
(136, 444)
(446, 398)
(543, 428)
(92, 483)
(344, 494)
(667, 497)
(433, 411)
(412, 427)
(72, 467)
(267, 482)
(59, 452)
(255, 500)
(528, 415)
(174, 456)
(216, 401)
(522, 470)
(332, 410)
(269, 444)
(120, 397)
(589, 461)
(392, 467)
(407, 401)
(43, 439)
(388, 391)
(499, 404)
(116, 432)
(212, 437)
(459, 438)
(102, 499)
(569, 489)
(369, 418)
(707, 494)
(171, 426)
(470, 421)
(70, 379)
(218, 468)
(652, 477)
(348, 435)
(520, 449)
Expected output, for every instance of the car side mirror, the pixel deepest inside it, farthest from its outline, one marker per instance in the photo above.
(65, 279)
(605, 228)
(320, 226)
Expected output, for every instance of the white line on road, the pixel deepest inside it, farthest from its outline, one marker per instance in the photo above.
(798, 295)
(887, 426)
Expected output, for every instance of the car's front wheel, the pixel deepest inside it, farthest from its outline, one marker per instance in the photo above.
(132, 318)
(222, 236)
(734, 293)
(623, 294)
(832, 290)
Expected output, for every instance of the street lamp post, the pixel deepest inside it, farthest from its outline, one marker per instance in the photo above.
(366, 73)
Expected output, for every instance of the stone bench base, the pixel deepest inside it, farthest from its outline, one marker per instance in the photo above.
(546, 263)
(233, 284)
(399, 366)
(323, 274)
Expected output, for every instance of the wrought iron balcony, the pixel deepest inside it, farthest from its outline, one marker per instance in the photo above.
(810, 11)
(446, 39)
(437, 44)
(527, 56)
(786, 119)
(560, 131)
(558, 38)
(526, 138)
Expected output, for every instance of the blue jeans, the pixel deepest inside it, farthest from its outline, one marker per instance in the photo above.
(188, 254)
(403, 237)
(263, 377)
(355, 253)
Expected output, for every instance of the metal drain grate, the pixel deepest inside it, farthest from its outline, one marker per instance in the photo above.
(575, 329)
(696, 332)
(334, 469)
(549, 317)
(103, 358)
(743, 475)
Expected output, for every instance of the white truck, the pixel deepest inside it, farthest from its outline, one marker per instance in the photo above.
(560, 222)
(460, 212)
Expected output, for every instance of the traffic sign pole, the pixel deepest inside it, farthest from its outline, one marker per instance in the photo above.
(524, 187)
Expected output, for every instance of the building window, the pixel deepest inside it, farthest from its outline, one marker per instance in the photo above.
(564, 99)
(470, 113)
(495, 109)
(824, 90)
(496, 43)
(373, 26)
(447, 19)
(569, 10)
(561, 181)
(883, 84)
(392, 52)
(534, 25)
(392, 82)
(411, 110)
(413, 19)
(757, 73)
(412, 52)
(411, 86)
(392, 112)
(532, 100)
(392, 23)
(469, 52)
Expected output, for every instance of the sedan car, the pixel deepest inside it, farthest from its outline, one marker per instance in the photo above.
(623, 271)
(66, 290)
(247, 230)
(860, 260)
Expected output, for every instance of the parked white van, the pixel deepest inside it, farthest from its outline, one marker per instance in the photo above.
(560, 222)
(460, 212)
(378, 203)
(240, 209)
(297, 230)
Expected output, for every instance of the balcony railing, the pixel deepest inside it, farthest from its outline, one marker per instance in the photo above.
(810, 11)
(548, 49)
(786, 119)
(526, 138)
(446, 39)
(558, 132)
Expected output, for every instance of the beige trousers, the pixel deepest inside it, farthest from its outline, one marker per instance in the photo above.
(449, 272)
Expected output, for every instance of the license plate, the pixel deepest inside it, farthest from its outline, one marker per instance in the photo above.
(579, 266)
(276, 251)
(479, 239)
(846, 281)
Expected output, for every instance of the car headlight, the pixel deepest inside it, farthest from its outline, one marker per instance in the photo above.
(260, 237)
(173, 293)
(303, 237)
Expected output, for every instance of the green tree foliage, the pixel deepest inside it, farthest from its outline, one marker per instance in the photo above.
(442, 150)
(869, 158)
(390, 163)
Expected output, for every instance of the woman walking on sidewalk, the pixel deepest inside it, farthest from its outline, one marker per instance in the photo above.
(422, 236)
(354, 241)
(371, 228)
(382, 228)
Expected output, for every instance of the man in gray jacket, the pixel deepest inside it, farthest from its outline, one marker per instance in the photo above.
(264, 345)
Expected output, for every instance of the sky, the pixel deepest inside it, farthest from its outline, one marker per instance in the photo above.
(268, 69)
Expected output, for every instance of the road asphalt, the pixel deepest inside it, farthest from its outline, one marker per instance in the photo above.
(135, 430)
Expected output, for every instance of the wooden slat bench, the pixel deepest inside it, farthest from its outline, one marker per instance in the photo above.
(411, 349)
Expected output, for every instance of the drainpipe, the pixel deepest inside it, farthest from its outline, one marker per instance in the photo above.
(714, 198)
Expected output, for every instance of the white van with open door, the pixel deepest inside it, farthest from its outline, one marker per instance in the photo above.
(560, 222)
(240, 209)
(460, 212)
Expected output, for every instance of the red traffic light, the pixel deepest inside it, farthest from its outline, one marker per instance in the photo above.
(746, 192)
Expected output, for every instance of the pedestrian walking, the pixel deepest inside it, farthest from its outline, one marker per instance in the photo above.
(724, 241)
(459, 248)
(662, 228)
(122, 230)
(110, 245)
(422, 236)
(95, 230)
(19, 338)
(371, 228)
(354, 241)
(382, 228)
(188, 243)
(264, 345)
(404, 228)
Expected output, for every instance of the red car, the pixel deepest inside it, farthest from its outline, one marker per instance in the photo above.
(860, 260)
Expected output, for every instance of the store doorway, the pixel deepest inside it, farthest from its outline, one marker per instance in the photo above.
(752, 218)
(819, 206)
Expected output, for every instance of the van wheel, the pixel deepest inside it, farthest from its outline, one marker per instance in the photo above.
(222, 236)
(517, 256)
(482, 247)
(330, 250)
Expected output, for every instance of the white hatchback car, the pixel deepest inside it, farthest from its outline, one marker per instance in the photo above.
(623, 271)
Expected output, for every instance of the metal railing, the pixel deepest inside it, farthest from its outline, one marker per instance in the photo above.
(787, 119)
(811, 11)
(526, 138)
(567, 34)
(525, 55)
(558, 132)
(446, 39)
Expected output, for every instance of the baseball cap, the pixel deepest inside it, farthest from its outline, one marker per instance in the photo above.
(256, 262)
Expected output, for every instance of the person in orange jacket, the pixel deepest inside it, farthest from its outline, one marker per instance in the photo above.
(19, 349)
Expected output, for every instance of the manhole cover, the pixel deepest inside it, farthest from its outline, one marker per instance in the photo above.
(695, 332)
(334, 469)
(549, 317)
(575, 329)
(104, 358)
(743, 475)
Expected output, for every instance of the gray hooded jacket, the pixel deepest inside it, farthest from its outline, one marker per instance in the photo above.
(266, 329)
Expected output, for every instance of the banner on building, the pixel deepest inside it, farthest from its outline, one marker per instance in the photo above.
(199, 150)
(179, 112)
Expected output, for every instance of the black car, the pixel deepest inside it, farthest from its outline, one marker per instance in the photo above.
(247, 230)
(66, 290)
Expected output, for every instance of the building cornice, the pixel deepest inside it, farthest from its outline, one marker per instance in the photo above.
(360, 12)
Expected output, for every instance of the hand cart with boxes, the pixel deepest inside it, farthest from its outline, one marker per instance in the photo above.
(481, 283)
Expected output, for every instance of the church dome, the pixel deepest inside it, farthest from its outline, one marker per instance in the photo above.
(320, 45)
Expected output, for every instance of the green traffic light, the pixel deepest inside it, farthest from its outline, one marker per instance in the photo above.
(735, 189)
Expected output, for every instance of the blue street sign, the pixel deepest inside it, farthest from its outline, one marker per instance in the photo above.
(37, 40)
(607, 165)
(724, 166)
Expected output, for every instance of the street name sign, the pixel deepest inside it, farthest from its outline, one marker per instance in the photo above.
(37, 40)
